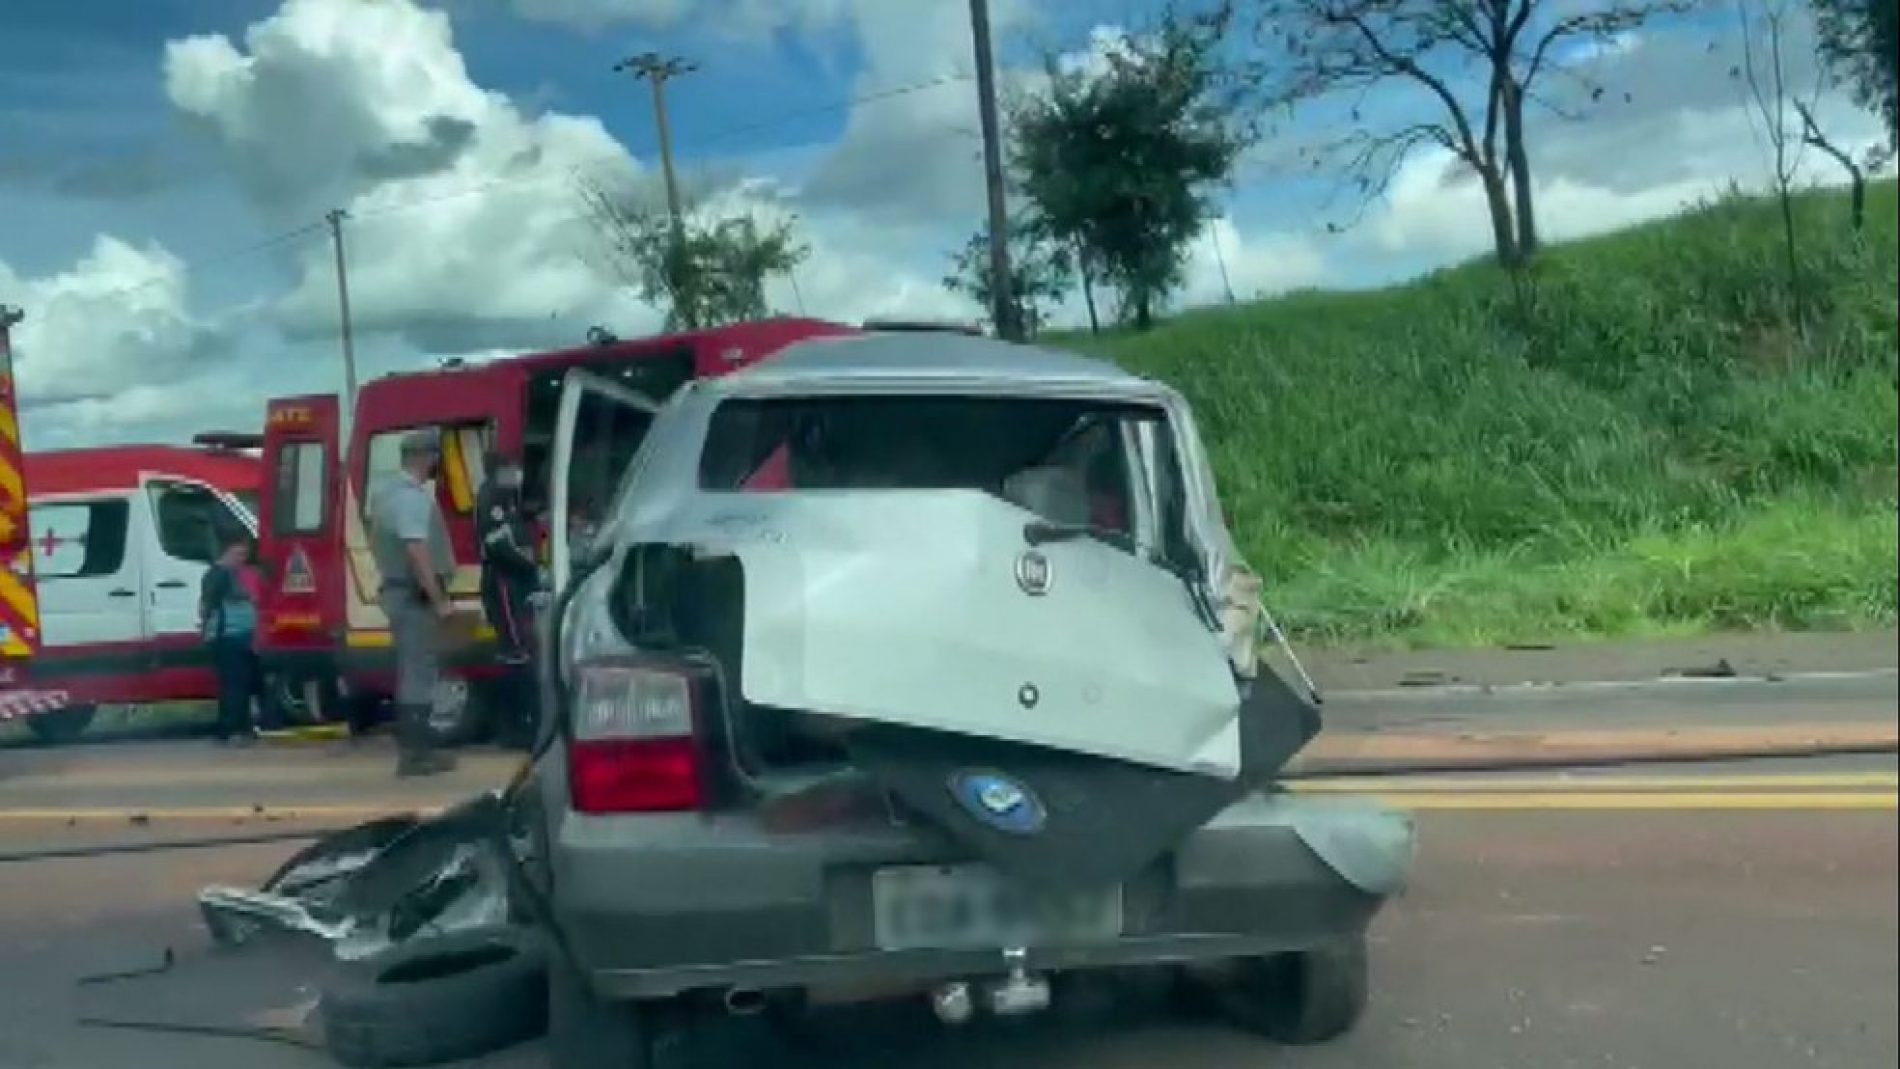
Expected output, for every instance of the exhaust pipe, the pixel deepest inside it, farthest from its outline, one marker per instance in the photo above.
(953, 1004)
(744, 1001)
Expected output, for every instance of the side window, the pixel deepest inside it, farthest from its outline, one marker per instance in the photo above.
(463, 446)
(79, 539)
(301, 490)
(1171, 496)
(192, 522)
(607, 435)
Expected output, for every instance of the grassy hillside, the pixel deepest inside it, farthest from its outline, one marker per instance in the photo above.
(1649, 445)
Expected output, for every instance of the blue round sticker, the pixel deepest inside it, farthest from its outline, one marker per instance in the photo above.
(999, 801)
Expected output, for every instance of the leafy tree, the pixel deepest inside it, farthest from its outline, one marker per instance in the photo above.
(1477, 62)
(1860, 45)
(1119, 161)
(708, 273)
(1040, 267)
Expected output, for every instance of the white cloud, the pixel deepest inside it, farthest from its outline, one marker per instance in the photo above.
(595, 14)
(1261, 265)
(930, 136)
(1436, 209)
(118, 318)
(466, 231)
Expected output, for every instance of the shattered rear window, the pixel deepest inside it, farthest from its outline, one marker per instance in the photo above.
(1068, 460)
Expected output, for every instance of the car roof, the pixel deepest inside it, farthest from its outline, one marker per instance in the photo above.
(928, 357)
(117, 468)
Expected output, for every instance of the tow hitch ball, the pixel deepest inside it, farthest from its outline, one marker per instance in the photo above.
(1018, 993)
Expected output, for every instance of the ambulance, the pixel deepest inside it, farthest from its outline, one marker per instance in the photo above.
(321, 632)
(119, 538)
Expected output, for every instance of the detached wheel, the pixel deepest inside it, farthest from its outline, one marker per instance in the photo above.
(437, 999)
(1297, 998)
(61, 726)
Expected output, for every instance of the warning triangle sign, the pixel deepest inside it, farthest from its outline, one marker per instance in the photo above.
(298, 578)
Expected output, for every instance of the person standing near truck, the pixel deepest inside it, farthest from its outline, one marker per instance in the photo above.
(510, 577)
(227, 617)
(410, 543)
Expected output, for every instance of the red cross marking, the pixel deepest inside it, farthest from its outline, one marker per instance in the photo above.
(51, 541)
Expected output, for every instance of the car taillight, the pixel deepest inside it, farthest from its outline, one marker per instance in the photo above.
(634, 749)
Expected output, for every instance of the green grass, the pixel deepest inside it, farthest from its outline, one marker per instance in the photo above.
(1647, 444)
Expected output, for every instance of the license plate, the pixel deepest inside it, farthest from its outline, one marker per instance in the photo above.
(965, 907)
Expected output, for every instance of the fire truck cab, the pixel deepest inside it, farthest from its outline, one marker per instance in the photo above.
(322, 633)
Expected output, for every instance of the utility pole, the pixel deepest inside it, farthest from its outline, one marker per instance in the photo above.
(656, 70)
(1002, 292)
(1220, 258)
(335, 218)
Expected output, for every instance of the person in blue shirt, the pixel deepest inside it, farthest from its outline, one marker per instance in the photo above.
(227, 618)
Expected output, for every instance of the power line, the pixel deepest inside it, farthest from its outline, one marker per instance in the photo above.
(219, 259)
(726, 133)
(206, 263)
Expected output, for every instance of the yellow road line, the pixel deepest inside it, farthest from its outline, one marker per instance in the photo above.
(1463, 784)
(160, 814)
(1527, 801)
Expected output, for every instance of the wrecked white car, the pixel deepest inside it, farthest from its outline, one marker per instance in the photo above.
(925, 663)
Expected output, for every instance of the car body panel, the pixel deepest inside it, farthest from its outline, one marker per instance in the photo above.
(902, 612)
(672, 903)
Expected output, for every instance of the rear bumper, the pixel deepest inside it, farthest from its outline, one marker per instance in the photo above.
(658, 905)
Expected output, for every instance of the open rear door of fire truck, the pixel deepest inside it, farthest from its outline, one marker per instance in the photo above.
(300, 553)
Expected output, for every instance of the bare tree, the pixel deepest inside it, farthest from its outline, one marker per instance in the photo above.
(1318, 49)
(1813, 136)
(1778, 113)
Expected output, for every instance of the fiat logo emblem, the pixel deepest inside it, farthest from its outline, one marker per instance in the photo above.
(1032, 573)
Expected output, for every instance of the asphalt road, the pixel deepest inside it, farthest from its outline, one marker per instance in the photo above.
(1741, 916)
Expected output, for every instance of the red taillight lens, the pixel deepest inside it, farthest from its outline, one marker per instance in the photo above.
(635, 776)
(634, 749)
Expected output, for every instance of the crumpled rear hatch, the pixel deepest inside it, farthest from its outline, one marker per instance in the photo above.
(1062, 709)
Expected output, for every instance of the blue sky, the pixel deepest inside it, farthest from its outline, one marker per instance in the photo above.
(147, 148)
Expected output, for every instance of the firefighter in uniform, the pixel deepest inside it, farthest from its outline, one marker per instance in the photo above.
(510, 578)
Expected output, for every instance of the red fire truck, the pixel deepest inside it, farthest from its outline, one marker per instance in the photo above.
(322, 634)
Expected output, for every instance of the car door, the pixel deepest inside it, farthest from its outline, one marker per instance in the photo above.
(599, 428)
(188, 523)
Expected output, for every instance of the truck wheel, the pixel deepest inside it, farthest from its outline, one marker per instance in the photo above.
(292, 700)
(437, 999)
(1298, 998)
(458, 715)
(61, 725)
(587, 1032)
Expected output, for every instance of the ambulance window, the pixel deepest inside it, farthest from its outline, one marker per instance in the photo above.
(79, 539)
(301, 489)
(193, 524)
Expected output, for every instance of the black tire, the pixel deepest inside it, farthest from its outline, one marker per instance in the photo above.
(437, 999)
(287, 700)
(587, 1032)
(61, 726)
(1298, 998)
(465, 724)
